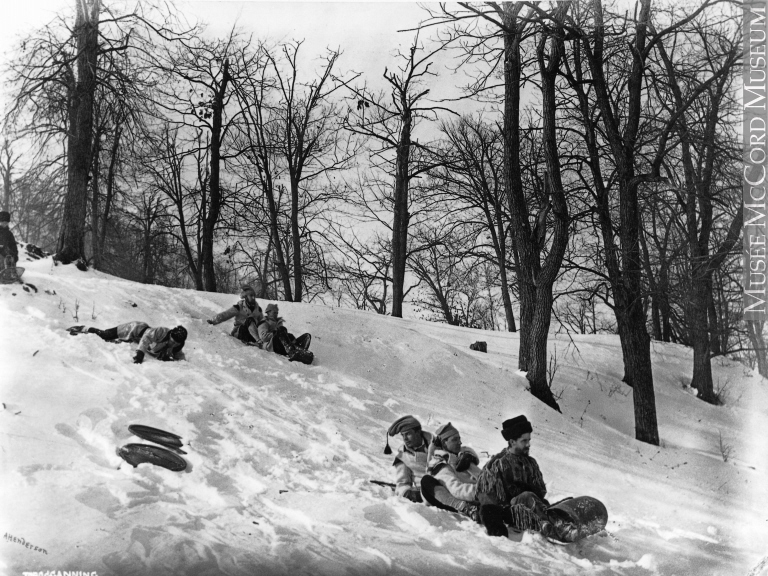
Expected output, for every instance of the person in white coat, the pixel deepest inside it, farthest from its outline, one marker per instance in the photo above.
(452, 473)
(411, 460)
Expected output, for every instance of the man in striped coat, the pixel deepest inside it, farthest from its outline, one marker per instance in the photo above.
(512, 479)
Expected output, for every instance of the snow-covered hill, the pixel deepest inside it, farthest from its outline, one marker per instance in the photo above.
(280, 455)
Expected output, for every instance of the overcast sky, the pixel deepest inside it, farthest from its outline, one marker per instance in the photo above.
(366, 32)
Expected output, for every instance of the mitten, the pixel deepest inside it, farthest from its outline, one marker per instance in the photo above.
(464, 460)
(210, 321)
(139, 358)
(437, 442)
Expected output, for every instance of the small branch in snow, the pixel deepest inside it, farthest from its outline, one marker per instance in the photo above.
(581, 420)
(725, 449)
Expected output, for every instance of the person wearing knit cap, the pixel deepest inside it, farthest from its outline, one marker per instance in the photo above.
(452, 473)
(411, 459)
(275, 336)
(247, 314)
(513, 480)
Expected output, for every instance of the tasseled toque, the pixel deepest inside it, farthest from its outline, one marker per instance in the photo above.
(401, 425)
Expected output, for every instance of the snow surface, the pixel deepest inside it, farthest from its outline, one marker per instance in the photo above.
(280, 454)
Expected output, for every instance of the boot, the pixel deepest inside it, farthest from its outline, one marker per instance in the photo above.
(75, 330)
(492, 517)
(303, 341)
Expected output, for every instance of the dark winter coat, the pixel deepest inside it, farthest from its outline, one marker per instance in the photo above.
(507, 475)
(8, 245)
(240, 312)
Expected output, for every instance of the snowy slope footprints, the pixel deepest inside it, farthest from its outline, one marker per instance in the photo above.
(165, 455)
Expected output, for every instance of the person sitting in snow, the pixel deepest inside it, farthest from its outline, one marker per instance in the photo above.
(9, 252)
(162, 343)
(452, 473)
(128, 332)
(411, 460)
(275, 336)
(247, 314)
(512, 480)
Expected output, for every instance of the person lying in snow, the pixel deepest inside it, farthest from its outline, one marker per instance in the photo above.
(247, 314)
(275, 336)
(511, 488)
(411, 460)
(128, 332)
(452, 473)
(163, 343)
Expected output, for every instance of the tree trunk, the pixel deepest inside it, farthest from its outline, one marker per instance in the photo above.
(713, 324)
(211, 219)
(755, 333)
(502, 255)
(146, 277)
(626, 277)
(509, 313)
(553, 186)
(699, 337)
(636, 347)
(7, 176)
(279, 254)
(95, 202)
(400, 215)
(664, 307)
(71, 244)
(526, 264)
(298, 276)
(98, 261)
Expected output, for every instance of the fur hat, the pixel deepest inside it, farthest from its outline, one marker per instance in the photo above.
(5, 216)
(445, 432)
(515, 427)
(401, 425)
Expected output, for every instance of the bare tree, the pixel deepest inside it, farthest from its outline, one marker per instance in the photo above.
(59, 74)
(471, 186)
(311, 147)
(705, 147)
(390, 120)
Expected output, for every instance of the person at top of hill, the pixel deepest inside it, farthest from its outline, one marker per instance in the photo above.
(162, 343)
(452, 472)
(128, 332)
(411, 459)
(9, 253)
(247, 314)
(275, 336)
(512, 479)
